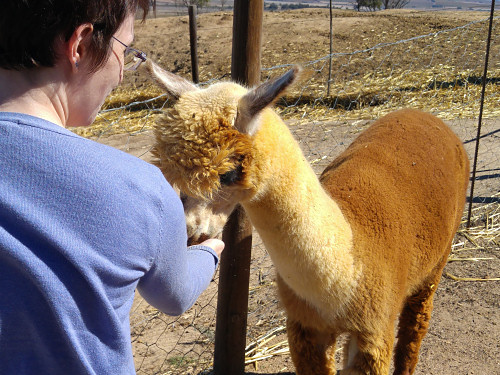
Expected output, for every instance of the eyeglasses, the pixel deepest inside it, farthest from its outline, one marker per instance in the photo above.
(132, 57)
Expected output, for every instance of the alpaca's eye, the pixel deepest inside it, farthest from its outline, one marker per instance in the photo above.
(232, 176)
(183, 197)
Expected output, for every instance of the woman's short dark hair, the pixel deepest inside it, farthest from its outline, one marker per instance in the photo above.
(29, 28)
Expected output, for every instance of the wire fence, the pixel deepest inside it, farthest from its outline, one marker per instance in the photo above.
(439, 72)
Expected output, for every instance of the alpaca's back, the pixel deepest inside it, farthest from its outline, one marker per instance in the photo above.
(401, 185)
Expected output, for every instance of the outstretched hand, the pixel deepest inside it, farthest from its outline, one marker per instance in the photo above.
(215, 244)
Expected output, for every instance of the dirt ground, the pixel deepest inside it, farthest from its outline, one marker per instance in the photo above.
(464, 335)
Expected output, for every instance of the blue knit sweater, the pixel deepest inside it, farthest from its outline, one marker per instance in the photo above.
(82, 225)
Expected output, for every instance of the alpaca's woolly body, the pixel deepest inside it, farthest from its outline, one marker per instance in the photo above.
(353, 251)
(404, 212)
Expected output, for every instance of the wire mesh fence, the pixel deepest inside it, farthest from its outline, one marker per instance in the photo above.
(439, 72)
(172, 345)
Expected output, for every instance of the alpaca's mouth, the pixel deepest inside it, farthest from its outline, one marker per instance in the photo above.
(195, 240)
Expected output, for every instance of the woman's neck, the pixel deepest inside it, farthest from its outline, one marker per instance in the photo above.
(301, 226)
(32, 93)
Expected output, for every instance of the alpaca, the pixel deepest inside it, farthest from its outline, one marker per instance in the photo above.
(355, 251)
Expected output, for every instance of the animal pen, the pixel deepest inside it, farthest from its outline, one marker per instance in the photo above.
(441, 72)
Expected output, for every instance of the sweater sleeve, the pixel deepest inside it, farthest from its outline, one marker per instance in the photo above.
(179, 274)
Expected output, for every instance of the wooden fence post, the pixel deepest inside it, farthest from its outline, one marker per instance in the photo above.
(232, 302)
(193, 43)
(247, 40)
(232, 305)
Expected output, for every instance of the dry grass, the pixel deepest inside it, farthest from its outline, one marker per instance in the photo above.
(443, 90)
(260, 349)
(126, 110)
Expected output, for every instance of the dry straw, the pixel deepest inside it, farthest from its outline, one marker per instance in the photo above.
(483, 237)
(260, 350)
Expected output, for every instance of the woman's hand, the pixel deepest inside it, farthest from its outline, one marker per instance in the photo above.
(215, 244)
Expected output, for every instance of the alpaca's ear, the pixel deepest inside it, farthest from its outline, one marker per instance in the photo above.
(259, 98)
(174, 84)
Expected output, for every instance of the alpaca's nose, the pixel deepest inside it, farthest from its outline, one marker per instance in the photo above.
(196, 239)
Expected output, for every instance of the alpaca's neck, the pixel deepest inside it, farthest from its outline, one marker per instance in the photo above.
(302, 228)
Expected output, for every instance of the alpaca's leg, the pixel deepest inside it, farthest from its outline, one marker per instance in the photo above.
(369, 355)
(350, 351)
(312, 351)
(413, 325)
(312, 342)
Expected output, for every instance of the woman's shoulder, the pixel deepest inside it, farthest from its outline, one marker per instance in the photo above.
(81, 164)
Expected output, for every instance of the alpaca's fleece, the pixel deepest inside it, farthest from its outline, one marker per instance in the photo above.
(200, 143)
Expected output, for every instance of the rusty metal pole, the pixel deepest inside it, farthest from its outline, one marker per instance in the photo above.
(481, 107)
(331, 52)
(232, 305)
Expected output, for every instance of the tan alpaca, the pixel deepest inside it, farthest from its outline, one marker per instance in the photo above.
(356, 250)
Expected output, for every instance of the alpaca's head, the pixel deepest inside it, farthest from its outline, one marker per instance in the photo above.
(204, 144)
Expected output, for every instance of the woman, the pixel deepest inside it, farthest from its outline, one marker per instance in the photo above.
(82, 225)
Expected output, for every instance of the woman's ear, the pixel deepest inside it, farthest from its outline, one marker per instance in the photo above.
(76, 46)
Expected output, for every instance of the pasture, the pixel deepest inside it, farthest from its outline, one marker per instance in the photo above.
(382, 61)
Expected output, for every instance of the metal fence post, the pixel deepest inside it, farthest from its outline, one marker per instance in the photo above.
(480, 119)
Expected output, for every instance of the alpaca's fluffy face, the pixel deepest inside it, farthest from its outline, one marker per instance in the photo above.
(200, 152)
(204, 145)
(198, 148)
